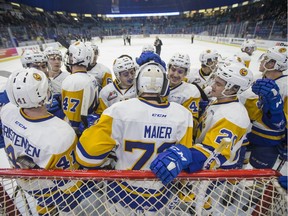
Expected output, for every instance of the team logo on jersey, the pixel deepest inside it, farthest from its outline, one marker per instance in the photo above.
(37, 76)
(282, 50)
(243, 72)
(112, 95)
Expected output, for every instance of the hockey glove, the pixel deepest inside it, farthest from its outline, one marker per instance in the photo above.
(150, 56)
(266, 89)
(90, 120)
(170, 163)
(3, 98)
(283, 181)
(270, 102)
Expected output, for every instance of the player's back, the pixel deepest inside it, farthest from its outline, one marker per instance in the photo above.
(79, 91)
(102, 74)
(39, 138)
(147, 128)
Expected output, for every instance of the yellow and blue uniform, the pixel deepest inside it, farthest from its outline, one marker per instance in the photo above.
(102, 74)
(260, 132)
(137, 137)
(188, 96)
(79, 96)
(49, 143)
(221, 120)
(112, 93)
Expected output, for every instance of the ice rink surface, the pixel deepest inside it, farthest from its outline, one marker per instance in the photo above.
(110, 49)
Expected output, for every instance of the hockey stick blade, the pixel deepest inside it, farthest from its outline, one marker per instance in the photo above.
(62, 41)
(224, 143)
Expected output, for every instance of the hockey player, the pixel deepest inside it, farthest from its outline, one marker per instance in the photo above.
(55, 74)
(80, 89)
(34, 139)
(247, 49)
(139, 135)
(209, 60)
(56, 77)
(182, 92)
(269, 112)
(99, 71)
(123, 88)
(219, 121)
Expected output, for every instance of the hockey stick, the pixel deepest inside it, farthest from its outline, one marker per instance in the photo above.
(62, 40)
(202, 196)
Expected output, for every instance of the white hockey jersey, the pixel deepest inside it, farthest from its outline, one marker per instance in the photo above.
(112, 93)
(197, 76)
(102, 74)
(79, 96)
(56, 82)
(187, 95)
(220, 120)
(138, 136)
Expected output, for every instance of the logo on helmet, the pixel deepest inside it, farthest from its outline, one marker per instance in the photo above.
(282, 50)
(37, 76)
(208, 51)
(243, 72)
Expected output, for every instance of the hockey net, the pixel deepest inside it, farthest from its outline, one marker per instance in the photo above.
(101, 192)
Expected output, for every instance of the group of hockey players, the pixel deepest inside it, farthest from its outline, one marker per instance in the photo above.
(153, 116)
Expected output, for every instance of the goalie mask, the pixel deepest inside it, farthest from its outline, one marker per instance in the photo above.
(78, 54)
(276, 55)
(180, 60)
(236, 76)
(28, 88)
(152, 78)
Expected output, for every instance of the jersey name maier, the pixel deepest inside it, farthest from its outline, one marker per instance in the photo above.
(162, 132)
(20, 141)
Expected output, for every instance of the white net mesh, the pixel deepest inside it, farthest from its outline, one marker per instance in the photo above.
(233, 192)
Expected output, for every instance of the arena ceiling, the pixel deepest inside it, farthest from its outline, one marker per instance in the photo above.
(125, 6)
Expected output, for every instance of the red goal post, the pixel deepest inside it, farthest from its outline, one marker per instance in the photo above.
(115, 192)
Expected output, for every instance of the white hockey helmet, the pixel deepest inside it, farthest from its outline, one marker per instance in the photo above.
(235, 59)
(152, 78)
(52, 51)
(235, 75)
(180, 60)
(278, 54)
(30, 57)
(209, 56)
(148, 48)
(123, 63)
(28, 88)
(250, 44)
(78, 54)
